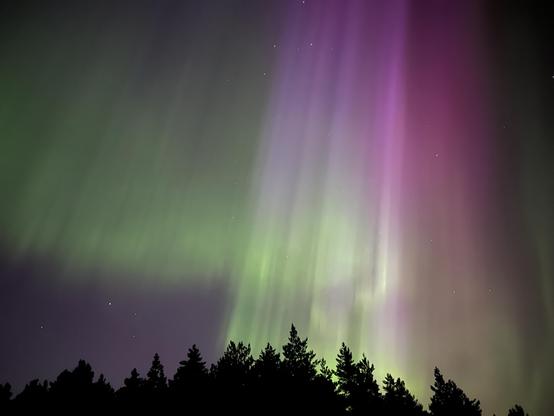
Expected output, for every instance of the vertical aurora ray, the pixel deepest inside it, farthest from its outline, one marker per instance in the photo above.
(325, 248)
(109, 142)
(371, 187)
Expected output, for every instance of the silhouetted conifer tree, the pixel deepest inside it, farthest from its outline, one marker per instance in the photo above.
(356, 384)
(34, 395)
(267, 365)
(102, 391)
(346, 372)
(130, 395)
(326, 402)
(156, 381)
(5, 396)
(133, 384)
(235, 364)
(397, 400)
(449, 400)
(191, 371)
(517, 410)
(367, 398)
(231, 375)
(298, 371)
(267, 388)
(73, 389)
(298, 360)
(5, 393)
(324, 373)
(190, 383)
(155, 387)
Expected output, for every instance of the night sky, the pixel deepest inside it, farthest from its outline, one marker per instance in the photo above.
(377, 172)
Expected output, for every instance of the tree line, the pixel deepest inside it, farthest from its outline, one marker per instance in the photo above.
(292, 382)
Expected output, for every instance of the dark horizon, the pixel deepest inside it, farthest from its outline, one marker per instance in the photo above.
(290, 381)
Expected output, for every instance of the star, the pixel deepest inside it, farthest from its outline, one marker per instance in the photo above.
(109, 303)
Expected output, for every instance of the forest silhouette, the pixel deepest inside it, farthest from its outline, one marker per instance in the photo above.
(293, 382)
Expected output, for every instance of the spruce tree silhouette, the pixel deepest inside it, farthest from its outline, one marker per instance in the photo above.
(346, 372)
(397, 400)
(298, 360)
(73, 389)
(102, 392)
(131, 394)
(449, 400)
(234, 366)
(34, 396)
(232, 379)
(367, 398)
(356, 384)
(267, 387)
(190, 384)
(325, 375)
(324, 388)
(267, 366)
(192, 370)
(155, 386)
(298, 372)
(156, 382)
(5, 393)
(5, 396)
(517, 410)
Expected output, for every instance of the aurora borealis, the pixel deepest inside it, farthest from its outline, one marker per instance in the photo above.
(377, 172)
